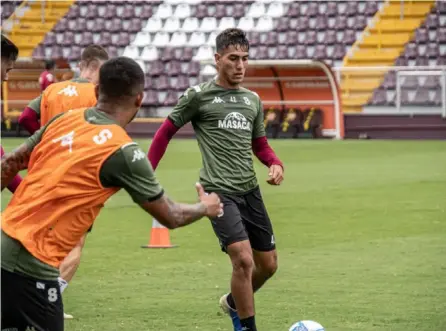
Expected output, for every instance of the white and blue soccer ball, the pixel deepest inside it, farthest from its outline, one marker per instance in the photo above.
(306, 326)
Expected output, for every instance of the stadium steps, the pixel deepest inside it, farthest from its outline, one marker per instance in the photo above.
(381, 43)
(27, 28)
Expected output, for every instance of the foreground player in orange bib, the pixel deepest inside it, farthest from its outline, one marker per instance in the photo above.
(59, 98)
(75, 163)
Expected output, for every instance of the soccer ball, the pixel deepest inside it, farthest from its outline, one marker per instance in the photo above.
(306, 326)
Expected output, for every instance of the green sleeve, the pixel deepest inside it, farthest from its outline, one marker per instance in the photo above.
(35, 104)
(186, 108)
(258, 129)
(32, 141)
(130, 169)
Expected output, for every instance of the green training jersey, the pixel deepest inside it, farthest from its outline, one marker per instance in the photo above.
(225, 121)
(127, 168)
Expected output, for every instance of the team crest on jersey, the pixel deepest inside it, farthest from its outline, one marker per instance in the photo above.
(234, 120)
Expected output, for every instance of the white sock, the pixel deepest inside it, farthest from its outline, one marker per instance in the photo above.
(63, 284)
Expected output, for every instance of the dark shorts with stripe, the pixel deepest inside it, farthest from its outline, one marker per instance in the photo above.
(30, 304)
(244, 218)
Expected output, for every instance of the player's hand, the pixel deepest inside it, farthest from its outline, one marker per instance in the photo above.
(211, 201)
(275, 175)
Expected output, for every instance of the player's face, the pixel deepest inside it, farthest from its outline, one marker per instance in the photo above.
(7, 65)
(232, 64)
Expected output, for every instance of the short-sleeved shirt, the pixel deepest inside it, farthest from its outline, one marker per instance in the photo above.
(225, 122)
(127, 167)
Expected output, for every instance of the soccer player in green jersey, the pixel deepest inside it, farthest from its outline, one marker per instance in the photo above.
(228, 122)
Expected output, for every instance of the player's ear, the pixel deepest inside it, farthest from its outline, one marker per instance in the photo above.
(217, 58)
(139, 98)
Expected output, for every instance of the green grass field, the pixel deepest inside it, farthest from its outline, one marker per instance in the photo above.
(361, 234)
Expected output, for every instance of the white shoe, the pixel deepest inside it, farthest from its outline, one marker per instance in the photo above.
(224, 304)
(67, 316)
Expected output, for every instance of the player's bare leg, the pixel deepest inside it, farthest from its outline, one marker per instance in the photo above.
(265, 267)
(69, 266)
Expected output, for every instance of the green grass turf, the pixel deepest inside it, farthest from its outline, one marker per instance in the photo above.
(361, 234)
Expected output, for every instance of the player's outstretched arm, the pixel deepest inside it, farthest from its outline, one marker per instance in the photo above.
(14, 162)
(173, 215)
(160, 142)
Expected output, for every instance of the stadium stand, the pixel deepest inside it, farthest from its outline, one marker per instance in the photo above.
(172, 39)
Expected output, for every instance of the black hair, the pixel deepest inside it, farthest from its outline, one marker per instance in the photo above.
(120, 77)
(232, 36)
(50, 64)
(9, 49)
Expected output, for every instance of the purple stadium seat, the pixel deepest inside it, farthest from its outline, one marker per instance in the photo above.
(338, 52)
(432, 51)
(291, 38)
(50, 39)
(271, 38)
(182, 83)
(411, 51)
(352, 8)
(254, 38)
(441, 35)
(109, 11)
(68, 39)
(74, 12)
(302, 24)
(168, 54)
(128, 12)
(150, 98)
(349, 37)
(401, 61)
(282, 24)
(422, 97)
(191, 68)
(220, 11)
(421, 61)
(310, 38)
(201, 11)
(106, 38)
(239, 10)
(38, 53)
(187, 54)
(312, 9)
(332, 9)
(410, 82)
(122, 39)
(262, 53)
(320, 53)
(359, 23)
(321, 23)
(75, 53)
(145, 12)
(330, 37)
(389, 81)
(371, 8)
(293, 10)
(173, 68)
(431, 82)
(148, 82)
(301, 52)
(92, 11)
(341, 23)
(112, 51)
(432, 21)
(421, 36)
(282, 52)
(378, 98)
(114, 25)
(436, 100)
(441, 7)
(134, 25)
(56, 52)
(62, 25)
(162, 83)
(155, 68)
(171, 98)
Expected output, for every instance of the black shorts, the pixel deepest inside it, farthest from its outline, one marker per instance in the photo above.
(30, 304)
(245, 217)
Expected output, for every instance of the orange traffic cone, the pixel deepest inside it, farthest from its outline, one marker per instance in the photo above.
(159, 236)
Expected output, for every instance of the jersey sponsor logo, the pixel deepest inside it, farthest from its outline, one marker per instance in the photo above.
(218, 100)
(138, 155)
(66, 140)
(234, 120)
(40, 286)
(30, 328)
(69, 91)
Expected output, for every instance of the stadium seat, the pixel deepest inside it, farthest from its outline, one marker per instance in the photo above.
(256, 10)
(211, 38)
(179, 38)
(150, 98)
(142, 39)
(171, 24)
(161, 39)
(226, 22)
(246, 23)
(264, 23)
(197, 38)
(190, 24)
(131, 52)
(149, 53)
(205, 52)
(144, 11)
(208, 24)
(182, 11)
(293, 10)
(186, 54)
(164, 11)
(154, 24)
(275, 9)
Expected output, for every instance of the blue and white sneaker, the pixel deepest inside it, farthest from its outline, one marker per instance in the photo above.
(231, 312)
